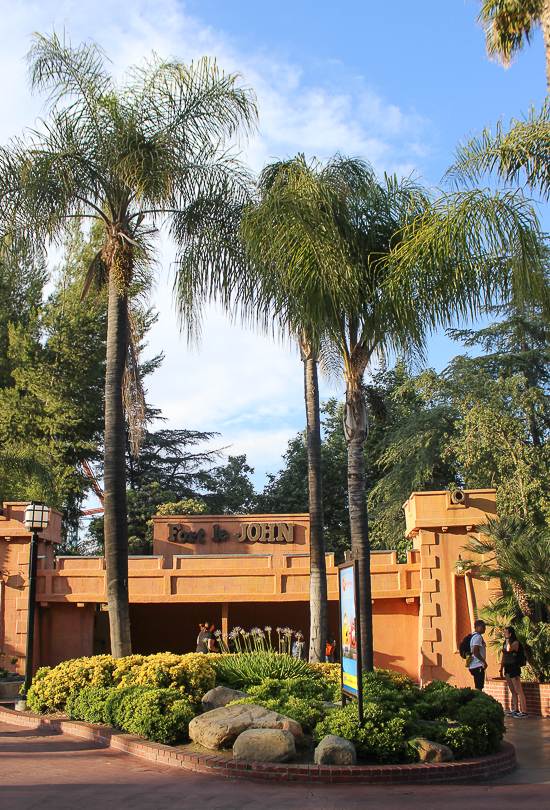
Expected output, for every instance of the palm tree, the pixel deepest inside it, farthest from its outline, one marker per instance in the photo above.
(508, 23)
(127, 155)
(273, 231)
(520, 156)
(372, 264)
(504, 546)
(517, 555)
(305, 232)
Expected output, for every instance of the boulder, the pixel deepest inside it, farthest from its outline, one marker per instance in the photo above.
(220, 696)
(265, 745)
(429, 751)
(221, 727)
(334, 750)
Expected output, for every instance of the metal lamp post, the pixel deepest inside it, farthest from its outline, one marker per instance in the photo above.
(37, 518)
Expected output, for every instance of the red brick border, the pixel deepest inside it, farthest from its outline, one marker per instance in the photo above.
(537, 695)
(467, 770)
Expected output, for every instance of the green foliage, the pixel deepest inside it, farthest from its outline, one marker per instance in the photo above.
(228, 488)
(386, 679)
(288, 491)
(537, 645)
(243, 670)
(172, 460)
(51, 402)
(508, 25)
(382, 737)
(23, 274)
(393, 705)
(4, 673)
(160, 715)
(51, 688)
(300, 698)
(517, 554)
(142, 504)
(189, 506)
(403, 453)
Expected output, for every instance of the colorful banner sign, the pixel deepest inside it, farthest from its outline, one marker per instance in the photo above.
(348, 630)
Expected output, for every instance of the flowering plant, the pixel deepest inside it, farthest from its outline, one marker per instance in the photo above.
(257, 640)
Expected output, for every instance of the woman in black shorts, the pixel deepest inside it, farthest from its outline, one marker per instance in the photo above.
(512, 673)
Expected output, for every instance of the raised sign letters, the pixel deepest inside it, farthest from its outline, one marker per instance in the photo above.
(250, 533)
(266, 533)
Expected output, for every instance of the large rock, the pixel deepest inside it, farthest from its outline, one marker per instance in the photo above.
(221, 727)
(265, 745)
(220, 696)
(334, 750)
(429, 751)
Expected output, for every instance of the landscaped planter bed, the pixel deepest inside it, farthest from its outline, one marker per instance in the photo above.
(9, 688)
(466, 770)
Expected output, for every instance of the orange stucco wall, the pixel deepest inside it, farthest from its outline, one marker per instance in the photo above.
(250, 571)
(448, 600)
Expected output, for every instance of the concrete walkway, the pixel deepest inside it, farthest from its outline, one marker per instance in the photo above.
(48, 771)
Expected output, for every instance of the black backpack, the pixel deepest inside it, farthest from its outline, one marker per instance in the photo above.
(521, 658)
(464, 646)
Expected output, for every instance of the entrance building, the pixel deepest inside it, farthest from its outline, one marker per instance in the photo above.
(249, 571)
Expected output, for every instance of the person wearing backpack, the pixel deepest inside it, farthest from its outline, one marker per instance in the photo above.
(478, 659)
(513, 658)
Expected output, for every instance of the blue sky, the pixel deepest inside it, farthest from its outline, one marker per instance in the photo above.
(399, 83)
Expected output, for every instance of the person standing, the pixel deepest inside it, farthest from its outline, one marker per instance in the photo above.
(216, 645)
(510, 664)
(478, 649)
(205, 639)
(330, 648)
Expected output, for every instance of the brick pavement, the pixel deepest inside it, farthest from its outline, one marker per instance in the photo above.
(53, 771)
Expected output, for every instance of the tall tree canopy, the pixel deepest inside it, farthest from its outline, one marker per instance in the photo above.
(51, 398)
(372, 264)
(149, 150)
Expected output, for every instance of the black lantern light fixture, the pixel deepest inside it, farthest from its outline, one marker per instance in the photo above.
(37, 518)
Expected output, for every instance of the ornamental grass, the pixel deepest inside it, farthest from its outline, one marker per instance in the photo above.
(242, 670)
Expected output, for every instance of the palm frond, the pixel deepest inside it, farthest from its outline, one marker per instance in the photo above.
(521, 155)
(508, 24)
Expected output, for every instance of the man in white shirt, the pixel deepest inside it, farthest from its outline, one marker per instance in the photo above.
(478, 664)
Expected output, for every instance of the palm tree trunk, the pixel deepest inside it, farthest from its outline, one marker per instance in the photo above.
(116, 520)
(318, 569)
(355, 431)
(545, 25)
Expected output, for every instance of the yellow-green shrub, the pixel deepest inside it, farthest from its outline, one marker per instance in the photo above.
(191, 674)
(332, 672)
(51, 687)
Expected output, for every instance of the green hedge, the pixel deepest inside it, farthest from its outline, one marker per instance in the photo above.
(160, 715)
(298, 698)
(191, 674)
(393, 708)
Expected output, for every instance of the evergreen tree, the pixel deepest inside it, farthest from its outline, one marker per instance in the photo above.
(228, 488)
(51, 404)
